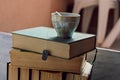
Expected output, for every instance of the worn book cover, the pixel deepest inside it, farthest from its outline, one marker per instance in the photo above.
(19, 73)
(85, 74)
(39, 39)
(34, 61)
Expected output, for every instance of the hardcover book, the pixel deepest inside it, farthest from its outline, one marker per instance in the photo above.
(41, 38)
(49, 75)
(34, 61)
(18, 73)
(85, 74)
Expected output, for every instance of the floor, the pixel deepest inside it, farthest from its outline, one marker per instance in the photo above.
(107, 65)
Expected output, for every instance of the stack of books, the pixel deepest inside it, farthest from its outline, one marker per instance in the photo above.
(38, 54)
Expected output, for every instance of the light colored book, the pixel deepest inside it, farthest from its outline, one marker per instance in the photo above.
(83, 76)
(48, 75)
(42, 38)
(70, 76)
(34, 61)
(24, 74)
(91, 55)
(86, 71)
(12, 72)
(35, 74)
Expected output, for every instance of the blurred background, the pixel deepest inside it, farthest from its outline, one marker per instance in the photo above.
(15, 15)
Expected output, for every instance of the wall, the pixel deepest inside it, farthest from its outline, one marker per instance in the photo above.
(20, 14)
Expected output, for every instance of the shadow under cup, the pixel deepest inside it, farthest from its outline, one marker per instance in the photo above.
(65, 24)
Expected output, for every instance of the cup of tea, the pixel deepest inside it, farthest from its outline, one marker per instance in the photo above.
(65, 23)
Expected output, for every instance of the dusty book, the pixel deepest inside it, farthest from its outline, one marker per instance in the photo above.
(51, 75)
(85, 74)
(86, 71)
(34, 61)
(25, 74)
(39, 39)
(19, 73)
(12, 72)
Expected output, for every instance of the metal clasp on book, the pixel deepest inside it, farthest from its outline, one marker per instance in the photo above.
(45, 54)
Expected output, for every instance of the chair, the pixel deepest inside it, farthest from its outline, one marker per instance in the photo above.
(88, 6)
(115, 32)
(104, 7)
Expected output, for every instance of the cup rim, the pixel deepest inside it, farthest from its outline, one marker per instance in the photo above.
(66, 14)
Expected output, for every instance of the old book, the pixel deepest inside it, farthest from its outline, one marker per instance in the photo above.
(34, 61)
(48, 75)
(35, 74)
(86, 70)
(77, 77)
(12, 72)
(83, 76)
(70, 76)
(24, 74)
(39, 39)
(91, 55)
(18, 73)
